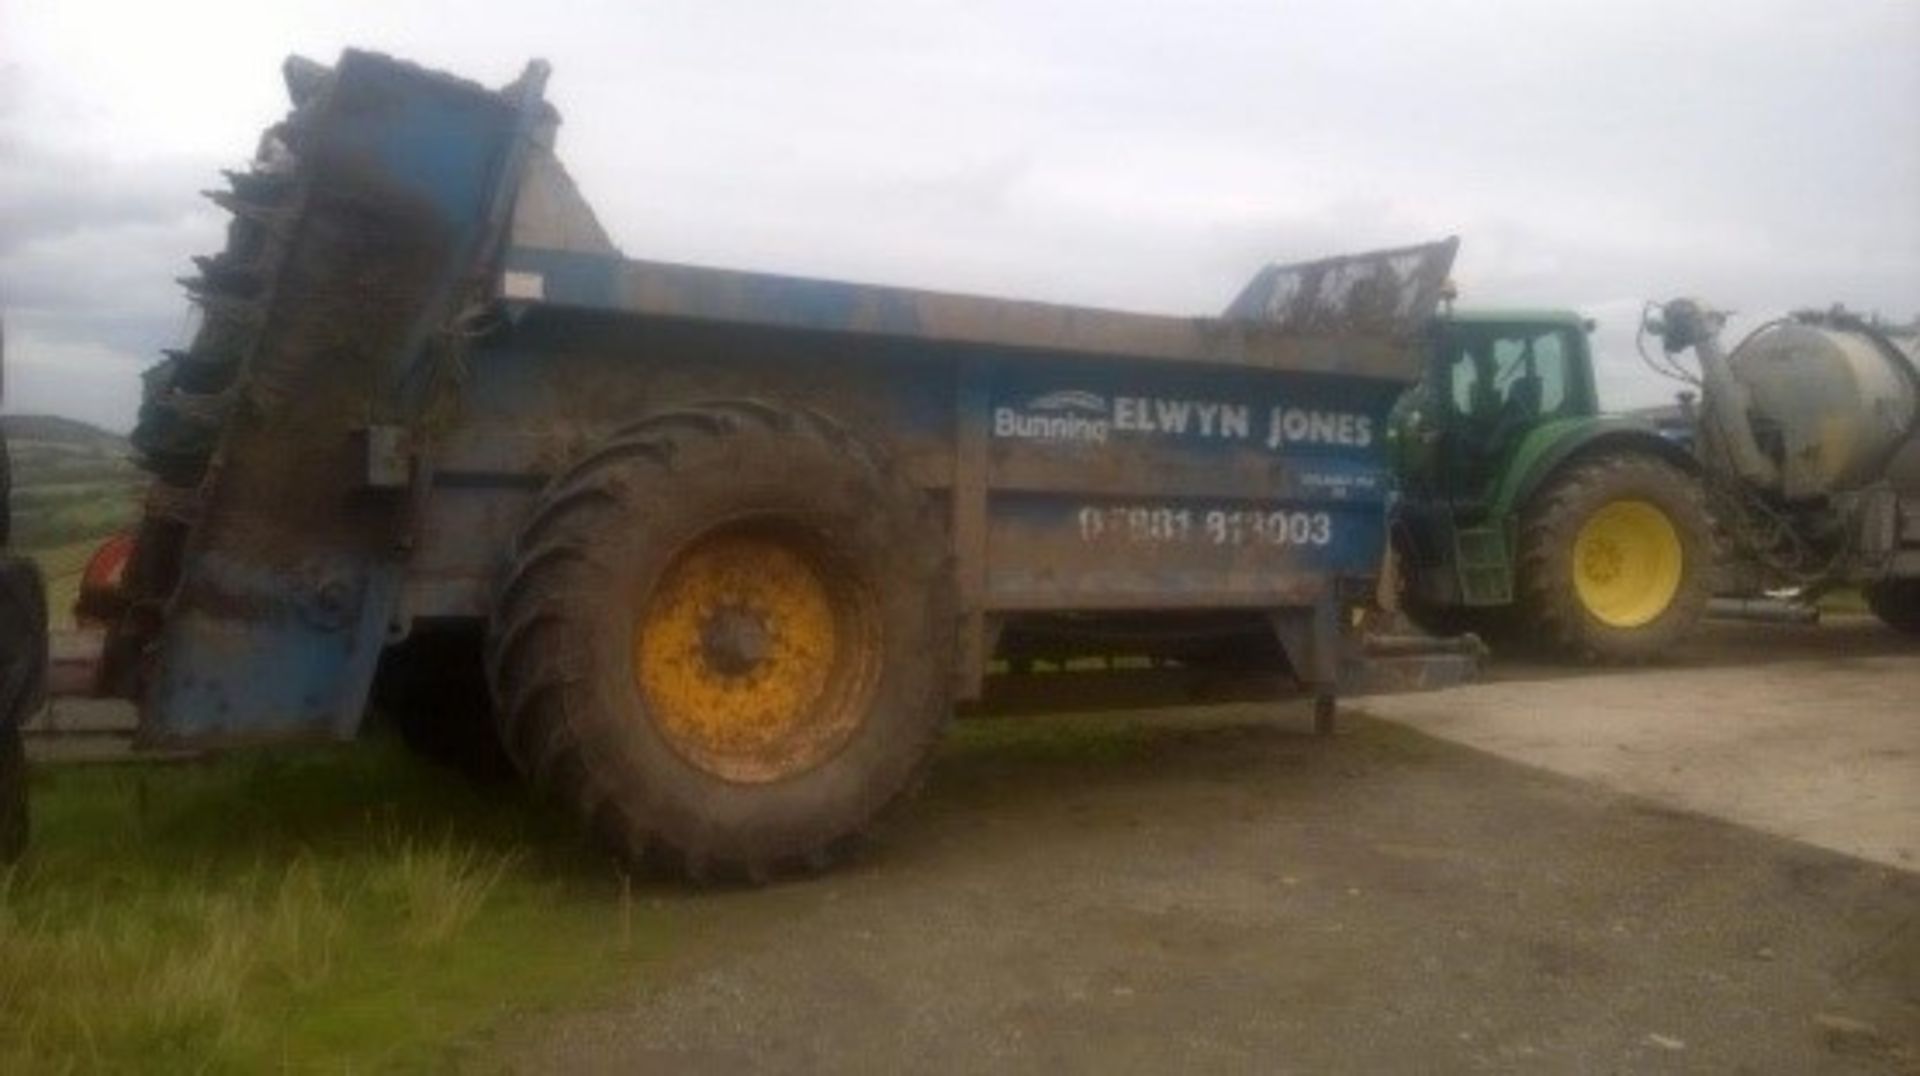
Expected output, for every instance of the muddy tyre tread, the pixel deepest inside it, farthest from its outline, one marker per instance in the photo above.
(542, 674)
(1547, 602)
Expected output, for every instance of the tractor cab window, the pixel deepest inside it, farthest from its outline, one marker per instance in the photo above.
(1468, 385)
(1530, 374)
(1510, 378)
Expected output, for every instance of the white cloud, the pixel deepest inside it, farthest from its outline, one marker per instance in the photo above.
(1762, 153)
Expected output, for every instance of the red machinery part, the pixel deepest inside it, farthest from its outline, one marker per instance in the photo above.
(103, 582)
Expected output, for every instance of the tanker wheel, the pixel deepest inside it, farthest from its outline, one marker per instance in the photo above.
(1616, 559)
(23, 656)
(1897, 603)
(726, 638)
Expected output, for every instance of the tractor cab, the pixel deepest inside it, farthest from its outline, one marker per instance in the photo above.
(1493, 378)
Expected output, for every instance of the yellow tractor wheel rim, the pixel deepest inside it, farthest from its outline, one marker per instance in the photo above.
(1627, 564)
(752, 658)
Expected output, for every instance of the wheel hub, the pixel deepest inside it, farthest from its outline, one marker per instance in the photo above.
(734, 641)
(1627, 563)
(749, 656)
(1601, 561)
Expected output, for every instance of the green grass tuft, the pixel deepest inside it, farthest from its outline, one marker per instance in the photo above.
(346, 909)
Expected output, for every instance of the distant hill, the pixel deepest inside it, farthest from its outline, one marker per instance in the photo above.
(72, 482)
(54, 430)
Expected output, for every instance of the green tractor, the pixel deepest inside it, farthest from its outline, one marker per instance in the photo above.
(1527, 514)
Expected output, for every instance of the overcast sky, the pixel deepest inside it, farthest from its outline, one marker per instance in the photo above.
(1762, 153)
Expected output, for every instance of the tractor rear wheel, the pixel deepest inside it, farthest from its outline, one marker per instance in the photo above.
(1897, 603)
(1616, 559)
(23, 660)
(726, 638)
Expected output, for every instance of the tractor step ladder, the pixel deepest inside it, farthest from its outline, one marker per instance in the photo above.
(1486, 575)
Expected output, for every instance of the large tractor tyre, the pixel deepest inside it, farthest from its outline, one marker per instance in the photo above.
(1897, 603)
(432, 689)
(726, 637)
(1616, 560)
(23, 662)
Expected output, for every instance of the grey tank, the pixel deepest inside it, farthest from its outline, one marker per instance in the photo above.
(1844, 403)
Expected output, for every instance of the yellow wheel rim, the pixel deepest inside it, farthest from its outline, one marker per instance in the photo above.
(752, 657)
(1627, 564)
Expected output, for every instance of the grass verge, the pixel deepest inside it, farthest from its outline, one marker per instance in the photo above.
(61, 567)
(340, 909)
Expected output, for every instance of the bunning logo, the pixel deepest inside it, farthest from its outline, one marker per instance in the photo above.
(1065, 415)
(1069, 400)
(1078, 416)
